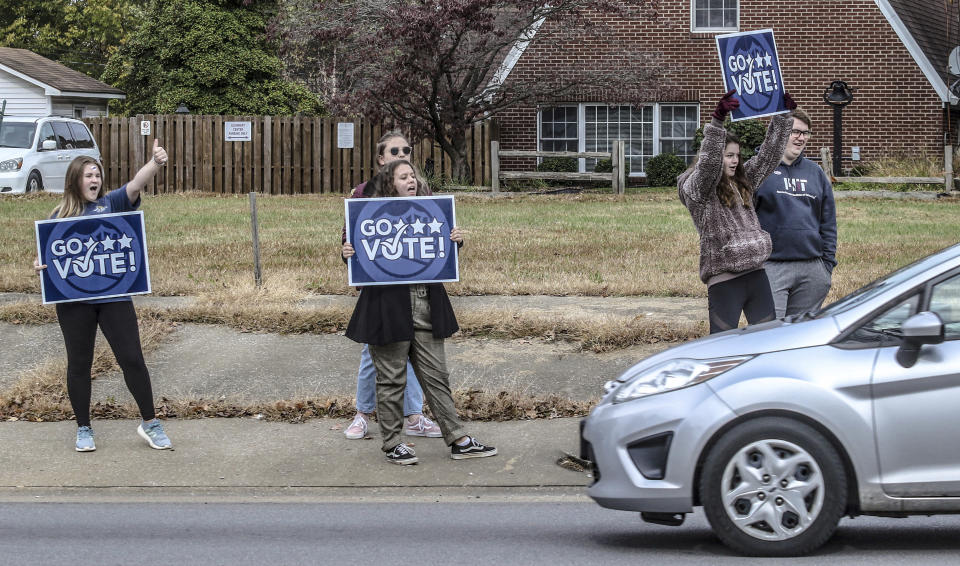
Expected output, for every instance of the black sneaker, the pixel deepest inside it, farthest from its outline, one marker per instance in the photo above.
(402, 455)
(472, 450)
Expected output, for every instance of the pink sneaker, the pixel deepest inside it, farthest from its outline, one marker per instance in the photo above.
(422, 427)
(358, 428)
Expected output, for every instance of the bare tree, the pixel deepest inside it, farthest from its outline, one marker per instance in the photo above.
(439, 66)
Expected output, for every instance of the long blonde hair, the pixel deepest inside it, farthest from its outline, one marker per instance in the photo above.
(73, 202)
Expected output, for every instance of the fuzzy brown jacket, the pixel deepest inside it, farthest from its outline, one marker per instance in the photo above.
(731, 240)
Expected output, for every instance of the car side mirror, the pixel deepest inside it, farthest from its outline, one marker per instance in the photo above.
(921, 328)
(48, 145)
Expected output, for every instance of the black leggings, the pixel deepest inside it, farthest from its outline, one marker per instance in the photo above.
(749, 293)
(118, 321)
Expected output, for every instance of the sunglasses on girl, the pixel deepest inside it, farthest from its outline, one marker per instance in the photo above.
(396, 150)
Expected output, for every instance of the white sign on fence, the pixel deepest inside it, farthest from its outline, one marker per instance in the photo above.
(144, 127)
(237, 131)
(344, 135)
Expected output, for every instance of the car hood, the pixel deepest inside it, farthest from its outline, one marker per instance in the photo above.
(755, 339)
(12, 152)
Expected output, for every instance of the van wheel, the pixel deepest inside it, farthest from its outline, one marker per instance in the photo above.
(773, 487)
(34, 182)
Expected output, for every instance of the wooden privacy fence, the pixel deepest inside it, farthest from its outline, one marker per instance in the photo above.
(285, 155)
(616, 177)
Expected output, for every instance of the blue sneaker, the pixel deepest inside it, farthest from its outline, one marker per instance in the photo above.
(85, 439)
(153, 433)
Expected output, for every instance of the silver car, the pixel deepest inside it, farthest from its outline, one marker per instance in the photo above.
(781, 428)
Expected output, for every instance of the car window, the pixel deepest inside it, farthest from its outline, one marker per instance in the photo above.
(64, 137)
(873, 331)
(945, 301)
(16, 134)
(46, 133)
(81, 136)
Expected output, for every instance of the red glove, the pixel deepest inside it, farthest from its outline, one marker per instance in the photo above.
(726, 104)
(788, 101)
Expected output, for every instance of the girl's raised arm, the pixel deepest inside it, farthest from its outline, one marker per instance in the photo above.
(146, 172)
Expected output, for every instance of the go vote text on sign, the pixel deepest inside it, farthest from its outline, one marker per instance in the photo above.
(750, 66)
(93, 257)
(401, 240)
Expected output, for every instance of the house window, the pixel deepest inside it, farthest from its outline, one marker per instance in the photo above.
(78, 112)
(558, 129)
(715, 15)
(604, 125)
(678, 124)
(646, 131)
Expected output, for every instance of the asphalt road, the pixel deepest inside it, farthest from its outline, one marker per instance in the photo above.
(506, 528)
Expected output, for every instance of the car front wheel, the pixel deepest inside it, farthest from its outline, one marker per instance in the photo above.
(34, 182)
(773, 487)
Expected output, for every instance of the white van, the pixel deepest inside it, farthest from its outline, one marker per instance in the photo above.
(35, 152)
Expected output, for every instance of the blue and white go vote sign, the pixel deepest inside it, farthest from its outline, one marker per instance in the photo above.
(93, 257)
(750, 66)
(400, 240)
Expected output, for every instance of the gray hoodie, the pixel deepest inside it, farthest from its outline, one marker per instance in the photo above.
(731, 240)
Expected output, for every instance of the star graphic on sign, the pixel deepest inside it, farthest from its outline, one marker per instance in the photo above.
(125, 241)
(399, 225)
(418, 226)
(108, 243)
(435, 225)
(90, 243)
(749, 60)
(769, 59)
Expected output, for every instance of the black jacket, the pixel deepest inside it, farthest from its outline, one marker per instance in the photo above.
(383, 314)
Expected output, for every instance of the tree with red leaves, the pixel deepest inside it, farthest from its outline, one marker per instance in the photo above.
(436, 67)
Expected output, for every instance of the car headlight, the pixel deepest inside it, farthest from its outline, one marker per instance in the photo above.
(671, 375)
(11, 164)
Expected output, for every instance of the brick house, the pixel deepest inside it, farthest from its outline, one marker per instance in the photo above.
(893, 52)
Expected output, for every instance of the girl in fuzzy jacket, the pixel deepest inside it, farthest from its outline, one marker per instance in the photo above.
(718, 191)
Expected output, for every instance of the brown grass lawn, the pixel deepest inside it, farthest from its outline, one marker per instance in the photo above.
(641, 244)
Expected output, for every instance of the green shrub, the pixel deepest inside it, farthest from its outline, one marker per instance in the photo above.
(750, 132)
(606, 166)
(558, 165)
(663, 170)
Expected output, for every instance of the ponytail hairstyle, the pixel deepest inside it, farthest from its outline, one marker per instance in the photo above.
(73, 202)
(727, 186)
(382, 183)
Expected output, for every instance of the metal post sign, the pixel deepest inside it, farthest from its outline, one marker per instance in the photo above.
(401, 240)
(93, 257)
(750, 66)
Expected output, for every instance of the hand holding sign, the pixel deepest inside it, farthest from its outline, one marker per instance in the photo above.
(788, 102)
(159, 154)
(727, 104)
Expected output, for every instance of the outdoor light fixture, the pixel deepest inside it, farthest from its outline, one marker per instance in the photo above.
(182, 109)
(838, 95)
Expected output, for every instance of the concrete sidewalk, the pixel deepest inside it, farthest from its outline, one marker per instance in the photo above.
(213, 362)
(246, 453)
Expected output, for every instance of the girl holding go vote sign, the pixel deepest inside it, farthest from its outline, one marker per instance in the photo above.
(84, 195)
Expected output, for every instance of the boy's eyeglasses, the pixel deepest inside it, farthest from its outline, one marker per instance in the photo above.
(798, 133)
(396, 150)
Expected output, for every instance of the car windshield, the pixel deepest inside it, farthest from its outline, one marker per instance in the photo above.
(17, 134)
(873, 289)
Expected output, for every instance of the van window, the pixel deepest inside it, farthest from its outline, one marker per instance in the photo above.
(46, 133)
(17, 134)
(64, 137)
(81, 136)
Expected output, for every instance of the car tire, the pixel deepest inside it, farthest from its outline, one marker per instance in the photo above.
(34, 182)
(773, 470)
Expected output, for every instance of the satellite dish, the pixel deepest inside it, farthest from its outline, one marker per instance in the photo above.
(954, 60)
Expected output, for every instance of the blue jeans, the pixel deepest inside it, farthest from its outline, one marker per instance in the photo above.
(367, 388)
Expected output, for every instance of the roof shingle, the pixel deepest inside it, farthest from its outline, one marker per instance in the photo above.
(52, 73)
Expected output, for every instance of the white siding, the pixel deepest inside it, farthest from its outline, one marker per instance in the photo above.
(23, 98)
(63, 106)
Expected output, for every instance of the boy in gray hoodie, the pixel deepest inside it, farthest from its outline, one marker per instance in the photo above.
(795, 205)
